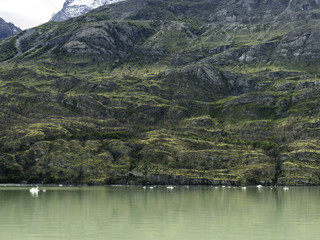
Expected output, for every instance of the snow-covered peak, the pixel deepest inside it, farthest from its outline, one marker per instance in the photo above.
(74, 8)
(92, 3)
(89, 3)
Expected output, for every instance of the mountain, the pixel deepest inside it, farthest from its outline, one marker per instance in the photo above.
(165, 92)
(7, 29)
(75, 8)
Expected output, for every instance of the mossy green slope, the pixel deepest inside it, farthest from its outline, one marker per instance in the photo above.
(168, 92)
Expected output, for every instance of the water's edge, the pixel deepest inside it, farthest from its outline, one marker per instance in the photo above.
(160, 179)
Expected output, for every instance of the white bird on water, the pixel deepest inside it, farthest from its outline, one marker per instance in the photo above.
(34, 190)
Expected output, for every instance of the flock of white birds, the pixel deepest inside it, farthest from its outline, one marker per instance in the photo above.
(35, 190)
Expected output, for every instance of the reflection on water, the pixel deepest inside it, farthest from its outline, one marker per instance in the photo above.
(160, 213)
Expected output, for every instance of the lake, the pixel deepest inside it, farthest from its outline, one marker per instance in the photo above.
(120, 212)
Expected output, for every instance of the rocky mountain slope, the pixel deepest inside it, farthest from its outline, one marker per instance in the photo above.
(7, 29)
(167, 92)
(75, 8)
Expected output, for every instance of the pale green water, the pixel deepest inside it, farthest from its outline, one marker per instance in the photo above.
(199, 213)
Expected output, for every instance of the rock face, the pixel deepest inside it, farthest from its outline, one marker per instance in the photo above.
(75, 8)
(165, 92)
(7, 29)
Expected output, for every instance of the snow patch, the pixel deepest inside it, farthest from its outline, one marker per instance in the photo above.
(81, 2)
(74, 8)
(92, 3)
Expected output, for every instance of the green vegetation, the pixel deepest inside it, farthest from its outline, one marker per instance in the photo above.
(175, 93)
(8, 49)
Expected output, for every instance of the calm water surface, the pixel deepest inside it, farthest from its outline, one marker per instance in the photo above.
(199, 213)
